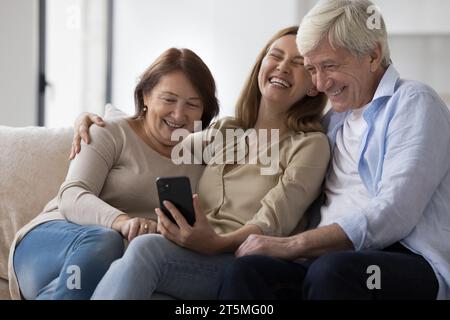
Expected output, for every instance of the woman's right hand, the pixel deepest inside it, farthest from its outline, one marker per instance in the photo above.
(81, 130)
(130, 228)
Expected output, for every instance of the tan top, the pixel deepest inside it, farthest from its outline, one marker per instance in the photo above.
(233, 195)
(114, 174)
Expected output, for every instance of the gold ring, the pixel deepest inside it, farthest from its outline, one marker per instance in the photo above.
(145, 227)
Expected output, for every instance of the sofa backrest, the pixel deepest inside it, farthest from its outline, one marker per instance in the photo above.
(33, 164)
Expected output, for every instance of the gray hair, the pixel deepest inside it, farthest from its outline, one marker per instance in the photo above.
(347, 24)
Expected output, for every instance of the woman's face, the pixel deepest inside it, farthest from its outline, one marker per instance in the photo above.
(282, 78)
(172, 104)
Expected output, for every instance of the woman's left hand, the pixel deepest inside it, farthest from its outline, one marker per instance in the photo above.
(200, 237)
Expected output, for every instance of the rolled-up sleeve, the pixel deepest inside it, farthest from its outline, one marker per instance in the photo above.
(417, 149)
(298, 186)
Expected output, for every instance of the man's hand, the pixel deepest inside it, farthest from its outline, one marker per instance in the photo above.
(306, 245)
(284, 248)
(130, 228)
(81, 131)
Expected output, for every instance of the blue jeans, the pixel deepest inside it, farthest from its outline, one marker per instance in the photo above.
(152, 263)
(62, 260)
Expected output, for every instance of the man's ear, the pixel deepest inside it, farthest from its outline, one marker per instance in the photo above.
(376, 57)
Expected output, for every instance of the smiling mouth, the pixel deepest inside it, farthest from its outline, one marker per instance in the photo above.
(279, 82)
(336, 92)
(172, 125)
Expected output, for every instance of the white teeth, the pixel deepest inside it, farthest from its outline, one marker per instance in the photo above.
(335, 93)
(173, 125)
(280, 82)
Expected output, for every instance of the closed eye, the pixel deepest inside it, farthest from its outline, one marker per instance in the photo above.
(193, 105)
(311, 70)
(330, 67)
(168, 100)
(276, 56)
(298, 63)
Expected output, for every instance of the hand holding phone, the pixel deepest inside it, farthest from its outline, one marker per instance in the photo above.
(178, 191)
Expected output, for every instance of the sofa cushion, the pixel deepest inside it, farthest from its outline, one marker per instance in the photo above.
(33, 164)
(112, 113)
(4, 290)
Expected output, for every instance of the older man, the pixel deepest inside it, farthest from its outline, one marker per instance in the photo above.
(385, 227)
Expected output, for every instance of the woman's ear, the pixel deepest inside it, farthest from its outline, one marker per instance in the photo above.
(312, 92)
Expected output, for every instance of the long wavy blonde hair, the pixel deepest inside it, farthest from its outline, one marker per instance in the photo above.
(304, 115)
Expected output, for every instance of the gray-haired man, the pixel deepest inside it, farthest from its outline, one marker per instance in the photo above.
(385, 221)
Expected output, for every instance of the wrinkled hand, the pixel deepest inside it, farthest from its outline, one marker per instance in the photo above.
(130, 228)
(81, 131)
(200, 237)
(278, 247)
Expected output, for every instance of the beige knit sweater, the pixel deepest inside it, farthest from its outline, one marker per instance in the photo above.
(234, 195)
(112, 175)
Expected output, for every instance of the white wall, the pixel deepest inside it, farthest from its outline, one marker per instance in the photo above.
(18, 62)
(227, 35)
(416, 16)
(419, 39)
(76, 59)
(423, 58)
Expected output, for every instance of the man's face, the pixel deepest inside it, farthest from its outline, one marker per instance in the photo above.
(349, 81)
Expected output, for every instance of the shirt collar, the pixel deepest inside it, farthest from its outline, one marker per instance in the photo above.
(386, 87)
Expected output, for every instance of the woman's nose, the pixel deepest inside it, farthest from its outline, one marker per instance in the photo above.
(178, 113)
(283, 67)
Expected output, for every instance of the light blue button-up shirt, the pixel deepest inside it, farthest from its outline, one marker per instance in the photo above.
(405, 165)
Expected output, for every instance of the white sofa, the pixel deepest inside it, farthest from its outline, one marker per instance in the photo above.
(33, 164)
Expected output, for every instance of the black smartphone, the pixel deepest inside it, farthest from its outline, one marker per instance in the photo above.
(178, 191)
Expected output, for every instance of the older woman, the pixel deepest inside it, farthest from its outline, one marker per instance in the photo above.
(235, 199)
(109, 191)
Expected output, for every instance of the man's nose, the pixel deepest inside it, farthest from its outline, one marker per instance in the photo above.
(322, 81)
